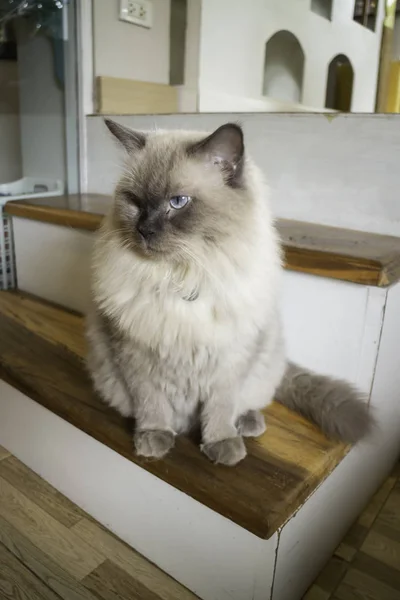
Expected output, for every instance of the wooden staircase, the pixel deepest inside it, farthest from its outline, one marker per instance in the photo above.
(260, 530)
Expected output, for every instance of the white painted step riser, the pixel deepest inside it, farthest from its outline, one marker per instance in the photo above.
(330, 326)
(53, 262)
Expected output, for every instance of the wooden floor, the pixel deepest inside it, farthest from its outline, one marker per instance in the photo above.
(366, 565)
(50, 549)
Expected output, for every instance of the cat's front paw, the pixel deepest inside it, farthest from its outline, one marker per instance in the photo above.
(251, 424)
(153, 444)
(226, 452)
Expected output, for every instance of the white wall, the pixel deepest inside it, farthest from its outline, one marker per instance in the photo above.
(233, 42)
(337, 169)
(10, 143)
(129, 51)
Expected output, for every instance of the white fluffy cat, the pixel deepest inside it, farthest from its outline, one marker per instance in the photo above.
(185, 328)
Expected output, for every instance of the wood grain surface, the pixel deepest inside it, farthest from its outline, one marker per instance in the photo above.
(41, 529)
(282, 467)
(17, 582)
(39, 492)
(58, 216)
(357, 585)
(117, 96)
(135, 565)
(359, 257)
(33, 566)
(41, 565)
(92, 203)
(110, 582)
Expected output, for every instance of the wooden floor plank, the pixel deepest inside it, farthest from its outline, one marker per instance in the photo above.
(378, 570)
(3, 453)
(383, 548)
(45, 569)
(282, 468)
(65, 548)
(316, 593)
(352, 541)
(389, 516)
(17, 582)
(360, 586)
(135, 565)
(331, 575)
(40, 492)
(57, 326)
(110, 582)
(345, 552)
(373, 507)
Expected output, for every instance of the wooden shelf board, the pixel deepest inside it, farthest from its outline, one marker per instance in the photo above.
(359, 257)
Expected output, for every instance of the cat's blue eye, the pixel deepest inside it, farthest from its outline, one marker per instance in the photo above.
(178, 202)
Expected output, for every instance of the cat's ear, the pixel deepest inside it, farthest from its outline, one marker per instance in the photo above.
(130, 139)
(224, 148)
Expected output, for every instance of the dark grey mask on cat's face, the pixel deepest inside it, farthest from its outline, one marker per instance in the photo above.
(178, 188)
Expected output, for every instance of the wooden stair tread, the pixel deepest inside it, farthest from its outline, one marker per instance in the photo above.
(359, 257)
(41, 353)
(56, 210)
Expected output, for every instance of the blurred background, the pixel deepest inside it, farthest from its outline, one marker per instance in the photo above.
(63, 60)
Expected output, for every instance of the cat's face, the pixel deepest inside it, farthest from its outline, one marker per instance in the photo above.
(180, 191)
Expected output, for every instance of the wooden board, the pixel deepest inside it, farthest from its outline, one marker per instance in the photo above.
(117, 96)
(16, 581)
(40, 492)
(355, 256)
(56, 210)
(359, 257)
(282, 468)
(137, 573)
(41, 529)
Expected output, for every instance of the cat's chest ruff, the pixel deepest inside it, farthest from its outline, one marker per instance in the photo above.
(173, 314)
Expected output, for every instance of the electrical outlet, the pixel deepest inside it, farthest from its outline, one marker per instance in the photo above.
(139, 12)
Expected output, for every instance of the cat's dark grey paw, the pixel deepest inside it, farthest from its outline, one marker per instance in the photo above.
(226, 452)
(153, 444)
(251, 424)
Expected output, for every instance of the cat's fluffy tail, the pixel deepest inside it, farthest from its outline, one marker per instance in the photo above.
(338, 408)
